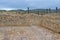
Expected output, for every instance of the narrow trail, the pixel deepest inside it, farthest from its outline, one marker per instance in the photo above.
(27, 33)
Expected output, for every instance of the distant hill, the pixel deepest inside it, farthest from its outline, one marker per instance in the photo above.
(18, 10)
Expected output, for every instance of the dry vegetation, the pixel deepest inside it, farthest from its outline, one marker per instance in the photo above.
(50, 21)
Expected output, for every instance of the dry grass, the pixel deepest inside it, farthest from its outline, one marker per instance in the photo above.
(49, 21)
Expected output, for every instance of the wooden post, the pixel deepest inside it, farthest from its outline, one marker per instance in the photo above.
(46, 10)
(56, 9)
(49, 10)
(38, 11)
(28, 10)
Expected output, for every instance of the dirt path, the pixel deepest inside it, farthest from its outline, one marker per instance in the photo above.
(26, 33)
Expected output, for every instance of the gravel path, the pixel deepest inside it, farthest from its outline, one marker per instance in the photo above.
(26, 33)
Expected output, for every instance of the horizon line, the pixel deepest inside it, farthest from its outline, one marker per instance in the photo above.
(23, 9)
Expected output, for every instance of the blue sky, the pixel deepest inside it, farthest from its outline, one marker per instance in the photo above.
(23, 4)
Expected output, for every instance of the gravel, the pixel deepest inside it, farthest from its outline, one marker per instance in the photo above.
(26, 33)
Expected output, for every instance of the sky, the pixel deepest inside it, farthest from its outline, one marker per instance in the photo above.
(32, 4)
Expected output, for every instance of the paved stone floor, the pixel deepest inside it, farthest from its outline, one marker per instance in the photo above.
(26, 33)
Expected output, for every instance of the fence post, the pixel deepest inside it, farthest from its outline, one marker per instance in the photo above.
(38, 11)
(49, 10)
(56, 9)
(28, 10)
